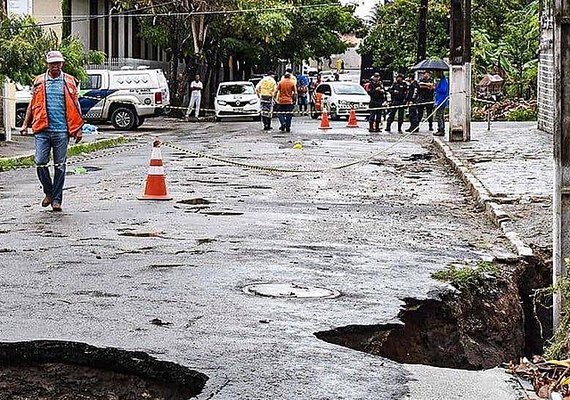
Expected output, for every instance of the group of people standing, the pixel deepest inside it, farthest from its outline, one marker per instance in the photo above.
(419, 96)
(282, 96)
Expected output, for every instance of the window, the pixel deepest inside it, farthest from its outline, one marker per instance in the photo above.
(236, 89)
(324, 89)
(349, 88)
(92, 82)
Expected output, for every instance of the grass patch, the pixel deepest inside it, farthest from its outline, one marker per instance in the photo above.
(28, 161)
(95, 146)
(467, 276)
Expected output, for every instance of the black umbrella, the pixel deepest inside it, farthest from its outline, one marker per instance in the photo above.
(432, 65)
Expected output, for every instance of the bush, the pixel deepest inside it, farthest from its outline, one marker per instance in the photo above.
(522, 114)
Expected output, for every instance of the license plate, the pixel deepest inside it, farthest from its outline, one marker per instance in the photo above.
(238, 109)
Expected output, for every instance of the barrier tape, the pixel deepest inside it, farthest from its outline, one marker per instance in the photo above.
(96, 155)
(81, 157)
(302, 171)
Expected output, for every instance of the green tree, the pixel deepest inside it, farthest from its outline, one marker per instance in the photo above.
(392, 40)
(24, 44)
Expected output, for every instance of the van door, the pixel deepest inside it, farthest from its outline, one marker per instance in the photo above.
(93, 95)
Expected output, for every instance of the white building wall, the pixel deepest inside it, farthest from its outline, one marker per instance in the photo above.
(79, 10)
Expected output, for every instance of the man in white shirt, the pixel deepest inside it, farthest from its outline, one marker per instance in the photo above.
(195, 96)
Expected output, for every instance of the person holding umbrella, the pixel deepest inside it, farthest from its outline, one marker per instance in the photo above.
(441, 101)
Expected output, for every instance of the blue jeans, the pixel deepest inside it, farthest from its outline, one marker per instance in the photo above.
(45, 142)
(285, 114)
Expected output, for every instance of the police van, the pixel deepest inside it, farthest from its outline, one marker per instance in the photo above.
(125, 98)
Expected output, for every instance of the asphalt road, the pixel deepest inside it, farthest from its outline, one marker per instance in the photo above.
(101, 270)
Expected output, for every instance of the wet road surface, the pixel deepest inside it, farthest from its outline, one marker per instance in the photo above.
(106, 266)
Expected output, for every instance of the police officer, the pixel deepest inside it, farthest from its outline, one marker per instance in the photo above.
(398, 94)
(375, 89)
(425, 95)
(412, 99)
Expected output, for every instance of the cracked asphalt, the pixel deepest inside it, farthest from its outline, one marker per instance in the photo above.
(106, 266)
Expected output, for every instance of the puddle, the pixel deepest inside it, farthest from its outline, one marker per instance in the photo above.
(221, 213)
(195, 201)
(56, 370)
(290, 290)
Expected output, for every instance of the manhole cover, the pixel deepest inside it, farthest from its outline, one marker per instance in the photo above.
(292, 290)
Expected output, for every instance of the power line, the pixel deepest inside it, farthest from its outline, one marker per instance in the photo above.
(136, 13)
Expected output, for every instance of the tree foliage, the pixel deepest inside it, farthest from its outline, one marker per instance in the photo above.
(393, 40)
(24, 44)
(505, 38)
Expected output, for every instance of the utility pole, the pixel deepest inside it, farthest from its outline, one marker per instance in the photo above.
(561, 196)
(422, 31)
(460, 71)
(6, 133)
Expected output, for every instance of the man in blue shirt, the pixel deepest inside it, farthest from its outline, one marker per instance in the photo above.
(441, 102)
(54, 115)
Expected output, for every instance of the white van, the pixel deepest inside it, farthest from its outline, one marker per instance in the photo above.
(125, 98)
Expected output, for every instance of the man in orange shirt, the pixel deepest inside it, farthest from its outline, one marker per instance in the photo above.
(286, 96)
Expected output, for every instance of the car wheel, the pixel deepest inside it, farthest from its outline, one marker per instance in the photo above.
(140, 121)
(334, 116)
(20, 116)
(314, 113)
(124, 118)
(257, 118)
(217, 119)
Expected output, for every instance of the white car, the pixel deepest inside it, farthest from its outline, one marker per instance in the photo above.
(339, 98)
(327, 76)
(237, 99)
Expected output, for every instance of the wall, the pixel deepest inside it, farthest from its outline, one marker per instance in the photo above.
(48, 11)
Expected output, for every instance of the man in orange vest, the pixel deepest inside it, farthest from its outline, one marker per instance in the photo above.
(54, 114)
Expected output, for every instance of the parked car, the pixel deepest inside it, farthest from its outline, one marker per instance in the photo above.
(338, 98)
(327, 76)
(234, 99)
(125, 97)
(23, 98)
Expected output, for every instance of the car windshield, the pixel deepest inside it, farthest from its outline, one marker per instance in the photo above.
(349, 88)
(236, 89)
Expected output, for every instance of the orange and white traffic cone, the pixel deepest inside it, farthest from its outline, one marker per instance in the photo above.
(155, 188)
(352, 122)
(325, 120)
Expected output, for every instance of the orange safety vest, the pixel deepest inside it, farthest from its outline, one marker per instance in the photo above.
(39, 108)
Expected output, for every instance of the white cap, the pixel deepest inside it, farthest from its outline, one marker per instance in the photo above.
(54, 56)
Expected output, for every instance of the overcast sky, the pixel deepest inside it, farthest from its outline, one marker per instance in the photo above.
(364, 8)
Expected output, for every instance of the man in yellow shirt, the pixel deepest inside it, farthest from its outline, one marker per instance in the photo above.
(265, 89)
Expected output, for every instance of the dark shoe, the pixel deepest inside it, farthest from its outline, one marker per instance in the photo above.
(281, 128)
(387, 130)
(267, 128)
(431, 129)
(439, 133)
(55, 206)
(287, 129)
(46, 201)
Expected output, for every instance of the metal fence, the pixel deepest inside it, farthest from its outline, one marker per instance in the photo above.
(117, 63)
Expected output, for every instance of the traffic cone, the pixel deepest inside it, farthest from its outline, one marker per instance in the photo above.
(352, 122)
(155, 188)
(325, 121)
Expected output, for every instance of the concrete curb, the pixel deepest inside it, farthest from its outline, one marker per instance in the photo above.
(493, 210)
(24, 156)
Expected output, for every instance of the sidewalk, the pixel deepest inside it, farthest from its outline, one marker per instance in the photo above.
(509, 171)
